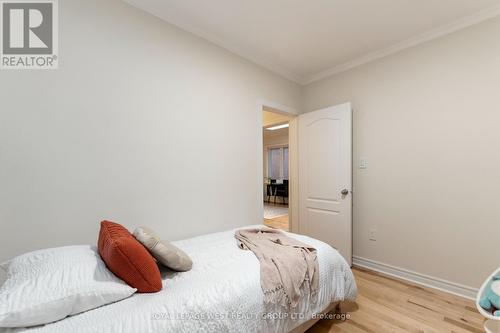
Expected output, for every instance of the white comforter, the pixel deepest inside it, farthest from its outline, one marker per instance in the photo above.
(221, 293)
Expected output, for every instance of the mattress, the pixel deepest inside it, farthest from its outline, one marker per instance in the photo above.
(222, 293)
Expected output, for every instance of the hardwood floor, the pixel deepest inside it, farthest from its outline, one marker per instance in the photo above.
(386, 304)
(280, 222)
(279, 210)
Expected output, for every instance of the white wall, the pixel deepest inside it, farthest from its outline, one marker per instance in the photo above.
(134, 128)
(428, 121)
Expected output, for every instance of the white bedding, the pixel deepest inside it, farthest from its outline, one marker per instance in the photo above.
(221, 293)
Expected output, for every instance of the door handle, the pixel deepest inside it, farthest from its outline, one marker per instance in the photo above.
(345, 192)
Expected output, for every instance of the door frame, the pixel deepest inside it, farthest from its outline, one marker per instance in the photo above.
(293, 195)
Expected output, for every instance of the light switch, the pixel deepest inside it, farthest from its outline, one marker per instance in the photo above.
(363, 163)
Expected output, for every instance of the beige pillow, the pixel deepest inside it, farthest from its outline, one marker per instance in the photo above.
(167, 254)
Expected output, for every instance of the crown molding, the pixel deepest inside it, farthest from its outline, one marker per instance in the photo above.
(272, 66)
(444, 30)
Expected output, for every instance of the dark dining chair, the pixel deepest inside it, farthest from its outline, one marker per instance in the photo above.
(282, 191)
(270, 190)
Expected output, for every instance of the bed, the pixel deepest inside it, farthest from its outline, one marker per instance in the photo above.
(222, 293)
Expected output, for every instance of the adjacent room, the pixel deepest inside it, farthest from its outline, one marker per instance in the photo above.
(230, 166)
(276, 164)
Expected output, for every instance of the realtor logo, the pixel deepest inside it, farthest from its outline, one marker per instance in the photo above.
(29, 37)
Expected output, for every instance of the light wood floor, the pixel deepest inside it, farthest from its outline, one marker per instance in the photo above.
(280, 222)
(386, 304)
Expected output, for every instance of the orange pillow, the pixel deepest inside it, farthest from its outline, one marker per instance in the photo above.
(128, 259)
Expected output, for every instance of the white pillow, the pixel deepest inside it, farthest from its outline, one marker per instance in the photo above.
(48, 285)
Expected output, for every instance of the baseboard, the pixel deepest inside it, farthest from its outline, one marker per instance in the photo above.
(418, 278)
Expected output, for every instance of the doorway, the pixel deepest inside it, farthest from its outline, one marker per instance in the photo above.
(276, 170)
(319, 202)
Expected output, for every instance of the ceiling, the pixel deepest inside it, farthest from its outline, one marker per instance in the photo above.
(306, 40)
(272, 137)
(270, 118)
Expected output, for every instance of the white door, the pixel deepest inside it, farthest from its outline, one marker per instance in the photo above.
(325, 176)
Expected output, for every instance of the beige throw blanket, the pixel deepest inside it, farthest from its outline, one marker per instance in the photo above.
(285, 264)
